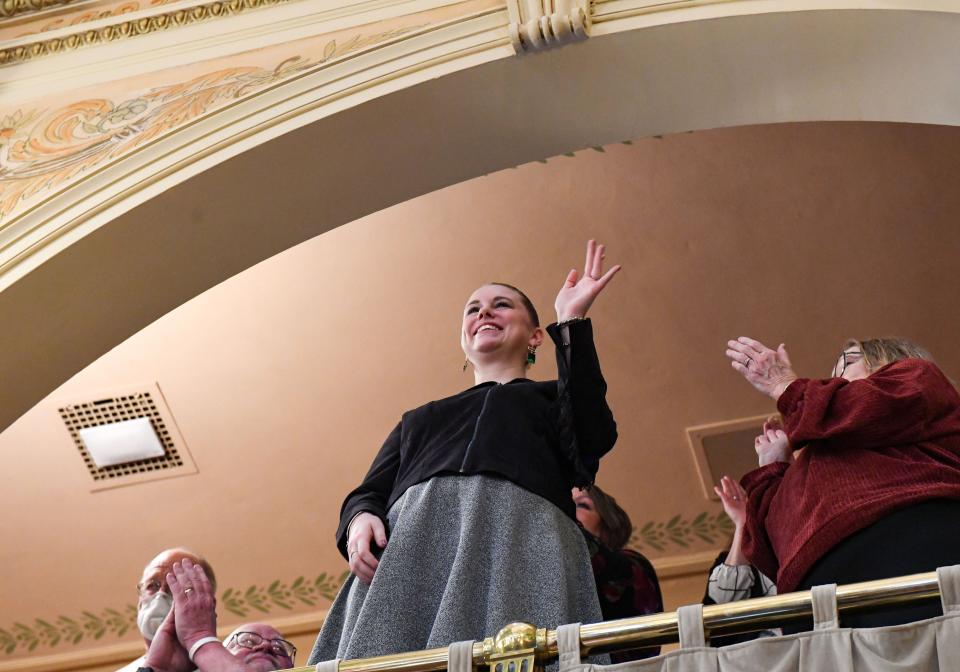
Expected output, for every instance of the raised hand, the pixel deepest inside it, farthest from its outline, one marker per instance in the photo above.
(166, 654)
(734, 500)
(770, 371)
(772, 445)
(365, 529)
(194, 603)
(579, 290)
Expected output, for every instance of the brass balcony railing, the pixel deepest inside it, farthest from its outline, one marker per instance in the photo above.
(522, 640)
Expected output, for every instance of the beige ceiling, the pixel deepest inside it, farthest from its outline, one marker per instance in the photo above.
(285, 379)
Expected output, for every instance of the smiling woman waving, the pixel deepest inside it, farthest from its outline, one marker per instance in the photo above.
(464, 522)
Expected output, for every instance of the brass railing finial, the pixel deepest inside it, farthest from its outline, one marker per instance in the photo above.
(518, 647)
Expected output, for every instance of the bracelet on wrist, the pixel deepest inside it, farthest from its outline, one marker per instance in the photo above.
(570, 320)
(197, 644)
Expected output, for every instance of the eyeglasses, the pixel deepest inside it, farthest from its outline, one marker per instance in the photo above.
(251, 640)
(846, 359)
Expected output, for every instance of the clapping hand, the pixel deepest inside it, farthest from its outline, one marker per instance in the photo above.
(770, 371)
(579, 290)
(166, 654)
(193, 602)
(734, 500)
(772, 445)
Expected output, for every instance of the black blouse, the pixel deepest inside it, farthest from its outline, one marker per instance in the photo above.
(544, 436)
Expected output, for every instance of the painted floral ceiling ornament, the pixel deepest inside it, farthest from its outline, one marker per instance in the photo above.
(43, 150)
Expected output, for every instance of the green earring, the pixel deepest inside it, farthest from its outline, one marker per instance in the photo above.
(531, 355)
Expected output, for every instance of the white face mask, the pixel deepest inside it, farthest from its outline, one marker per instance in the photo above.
(150, 615)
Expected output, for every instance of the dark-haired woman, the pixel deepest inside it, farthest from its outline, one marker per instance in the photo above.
(464, 522)
(627, 583)
(864, 483)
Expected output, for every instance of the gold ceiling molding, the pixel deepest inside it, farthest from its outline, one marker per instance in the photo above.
(11, 8)
(71, 15)
(132, 28)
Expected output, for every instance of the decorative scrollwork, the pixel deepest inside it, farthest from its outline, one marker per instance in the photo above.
(536, 25)
(43, 150)
(46, 149)
(10, 8)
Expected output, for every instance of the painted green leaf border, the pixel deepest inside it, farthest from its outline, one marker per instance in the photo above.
(707, 527)
(94, 626)
(255, 600)
(277, 594)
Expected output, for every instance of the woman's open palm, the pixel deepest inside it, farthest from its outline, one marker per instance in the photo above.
(579, 290)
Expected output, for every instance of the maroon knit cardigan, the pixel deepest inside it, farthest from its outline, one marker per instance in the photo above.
(871, 446)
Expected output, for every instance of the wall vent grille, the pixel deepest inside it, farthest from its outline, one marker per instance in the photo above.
(724, 449)
(144, 401)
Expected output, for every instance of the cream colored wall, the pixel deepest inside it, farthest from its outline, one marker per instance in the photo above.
(285, 379)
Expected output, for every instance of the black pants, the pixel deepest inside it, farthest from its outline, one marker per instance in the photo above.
(918, 538)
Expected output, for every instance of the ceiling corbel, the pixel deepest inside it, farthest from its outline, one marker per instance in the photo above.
(537, 25)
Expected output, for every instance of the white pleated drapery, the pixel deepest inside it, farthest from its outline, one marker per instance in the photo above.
(932, 645)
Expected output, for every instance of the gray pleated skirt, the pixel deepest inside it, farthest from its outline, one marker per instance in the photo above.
(466, 555)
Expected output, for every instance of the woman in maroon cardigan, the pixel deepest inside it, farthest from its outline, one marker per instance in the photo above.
(864, 483)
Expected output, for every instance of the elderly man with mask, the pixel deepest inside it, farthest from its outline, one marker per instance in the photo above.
(187, 638)
(154, 600)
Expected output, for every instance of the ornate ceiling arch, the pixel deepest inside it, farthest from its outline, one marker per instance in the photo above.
(179, 151)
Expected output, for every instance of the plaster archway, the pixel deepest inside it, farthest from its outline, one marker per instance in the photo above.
(151, 232)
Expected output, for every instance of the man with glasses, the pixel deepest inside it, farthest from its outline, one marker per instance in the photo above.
(254, 647)
(256, 641)
(187, 638)
(154, 600)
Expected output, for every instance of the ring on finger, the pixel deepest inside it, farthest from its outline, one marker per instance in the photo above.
(187, 590)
